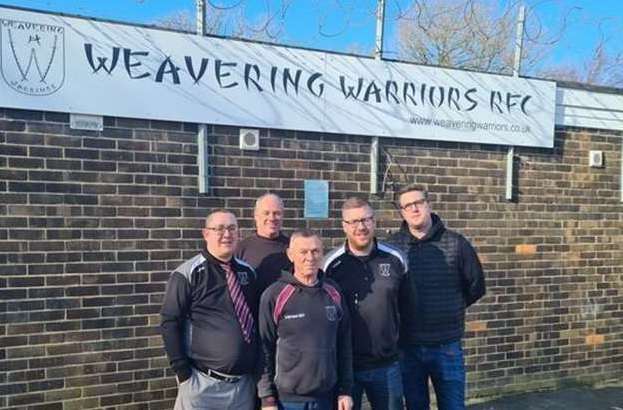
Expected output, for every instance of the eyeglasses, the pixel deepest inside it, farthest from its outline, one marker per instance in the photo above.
(222, 228)
(355, 222)
(411, 206)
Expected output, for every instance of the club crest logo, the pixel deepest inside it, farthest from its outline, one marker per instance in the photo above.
(32, 56)
(331, 312)
(243, 277)
(385, 269)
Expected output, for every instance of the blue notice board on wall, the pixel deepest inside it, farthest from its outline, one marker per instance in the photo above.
(316, 198)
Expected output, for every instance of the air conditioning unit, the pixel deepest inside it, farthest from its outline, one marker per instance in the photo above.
(249, 139)
(596, 159)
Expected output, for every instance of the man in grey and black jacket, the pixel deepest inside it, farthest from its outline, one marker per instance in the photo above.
(305, 334)
(444, 278)
(371, 275)
(209, 323)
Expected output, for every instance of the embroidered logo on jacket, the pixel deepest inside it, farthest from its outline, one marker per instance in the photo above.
(385, 269)
(331, 312)
(243, 277)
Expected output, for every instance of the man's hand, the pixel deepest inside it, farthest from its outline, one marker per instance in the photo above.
(344, 403)
(269, 403)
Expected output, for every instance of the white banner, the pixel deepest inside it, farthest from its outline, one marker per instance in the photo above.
(56, 63)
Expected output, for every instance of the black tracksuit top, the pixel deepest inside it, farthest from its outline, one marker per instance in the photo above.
(373, 289)
(199, 325)
(308, 353)
(445, 277)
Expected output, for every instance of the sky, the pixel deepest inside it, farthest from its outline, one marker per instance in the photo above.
(349, 25)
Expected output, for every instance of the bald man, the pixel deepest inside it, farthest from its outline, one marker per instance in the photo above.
(265, 250)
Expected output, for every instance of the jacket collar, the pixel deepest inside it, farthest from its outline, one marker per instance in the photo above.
(371, 255)
(213, 260)
(436, 228)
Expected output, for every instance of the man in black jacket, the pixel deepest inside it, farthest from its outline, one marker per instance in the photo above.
(371, 275)
(305, 336)
(209, 323)
(265, 249)
(444, 278)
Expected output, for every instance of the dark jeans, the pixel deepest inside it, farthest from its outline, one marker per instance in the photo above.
(443, 364)
(383, 388)
(317, 404)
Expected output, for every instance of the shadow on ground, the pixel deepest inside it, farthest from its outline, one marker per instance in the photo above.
(609, 398)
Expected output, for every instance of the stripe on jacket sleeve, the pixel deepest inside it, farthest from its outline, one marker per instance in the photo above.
(385, 247)
(331, 256)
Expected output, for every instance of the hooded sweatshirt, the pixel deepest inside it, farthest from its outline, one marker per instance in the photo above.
(308, 352)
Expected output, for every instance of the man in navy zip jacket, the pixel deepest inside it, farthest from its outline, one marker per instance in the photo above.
(371, 275)
(209, 323)
(305, 336)
(444, 278)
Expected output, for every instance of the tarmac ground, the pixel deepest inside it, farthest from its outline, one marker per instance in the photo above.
(574, 398)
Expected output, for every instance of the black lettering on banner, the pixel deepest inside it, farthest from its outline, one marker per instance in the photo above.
(167, 67)
(247, 76)
(293, 82)
(372, 89)
(391, 88)
(510, 100)
(453, 98)
(273, 76)
(524, 101)
(88, 49)
(191, 69)
(468, 96)
(408, 92)
(127, 56)
(310, 84)
(287, 79)
(431, 96)
(495, 100)
(220, 74)
(348, 91)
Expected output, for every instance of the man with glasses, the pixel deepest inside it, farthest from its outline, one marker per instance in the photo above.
(209, 323)
(371, 275)
(265, 250)
(444, 278)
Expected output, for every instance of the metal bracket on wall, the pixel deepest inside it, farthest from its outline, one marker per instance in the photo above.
(203, 159)
(510, 157)
(374, 165)
(378, 55)
(202, 130)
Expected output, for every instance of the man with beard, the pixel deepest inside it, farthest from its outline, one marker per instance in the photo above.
(371, 275)
(209, 323)
(444, 278)
(265, 250)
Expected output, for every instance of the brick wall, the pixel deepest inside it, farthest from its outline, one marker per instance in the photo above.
(92, 223)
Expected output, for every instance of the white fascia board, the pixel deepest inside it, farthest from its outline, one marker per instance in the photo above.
(590, 109)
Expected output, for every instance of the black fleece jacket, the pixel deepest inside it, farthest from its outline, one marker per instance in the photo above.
(445, 277)
(308, 353)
